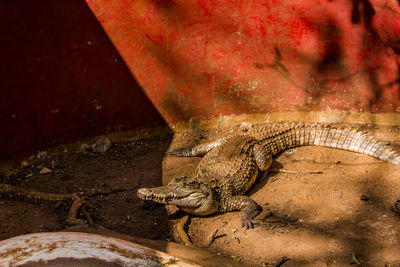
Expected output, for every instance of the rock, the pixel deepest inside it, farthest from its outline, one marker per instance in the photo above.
(11, 173)
(53, 164)
(83, 147)
(41, 154)
(24, 163)
(102, 145)
(45, 171)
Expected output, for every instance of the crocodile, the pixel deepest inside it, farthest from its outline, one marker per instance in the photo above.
(231, 164)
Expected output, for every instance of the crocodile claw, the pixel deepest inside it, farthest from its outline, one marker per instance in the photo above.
(247, 223)
(249, 213)
(250, 224)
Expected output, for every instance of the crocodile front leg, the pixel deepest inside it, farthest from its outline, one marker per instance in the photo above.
(198, 150)
(250, 209)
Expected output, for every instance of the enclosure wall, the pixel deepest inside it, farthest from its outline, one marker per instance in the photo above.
(175, 61)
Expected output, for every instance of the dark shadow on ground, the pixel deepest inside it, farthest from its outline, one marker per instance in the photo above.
(108, 183)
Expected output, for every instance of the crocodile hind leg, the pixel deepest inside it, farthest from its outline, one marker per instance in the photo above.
(262, 157)
(198, 150)
(250, 209)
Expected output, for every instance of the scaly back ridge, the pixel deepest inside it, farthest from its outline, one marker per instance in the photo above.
(317, 134)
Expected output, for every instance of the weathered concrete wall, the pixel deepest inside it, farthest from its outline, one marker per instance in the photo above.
(206, 58)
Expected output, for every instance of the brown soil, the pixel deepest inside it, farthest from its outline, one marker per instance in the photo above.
(344, 215)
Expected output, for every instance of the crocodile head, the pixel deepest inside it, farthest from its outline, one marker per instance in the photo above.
(189, 195)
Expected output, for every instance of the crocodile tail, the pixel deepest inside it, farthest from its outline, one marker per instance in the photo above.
(304, 134)
(346, 139)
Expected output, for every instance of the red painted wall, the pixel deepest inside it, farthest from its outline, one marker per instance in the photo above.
(207, 58)
(61, 79)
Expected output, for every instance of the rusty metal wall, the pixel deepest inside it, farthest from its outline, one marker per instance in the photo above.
(61, 79)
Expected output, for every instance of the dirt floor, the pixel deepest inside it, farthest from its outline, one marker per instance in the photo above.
(326, 207)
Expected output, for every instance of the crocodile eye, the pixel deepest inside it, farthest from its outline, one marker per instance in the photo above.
(183, 184)
(193, 184)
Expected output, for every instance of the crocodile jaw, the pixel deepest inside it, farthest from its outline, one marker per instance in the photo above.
(190, 196)
(152, 195)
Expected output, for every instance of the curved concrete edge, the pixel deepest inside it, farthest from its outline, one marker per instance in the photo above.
(199, 255)
(331, 116)
(50, 246)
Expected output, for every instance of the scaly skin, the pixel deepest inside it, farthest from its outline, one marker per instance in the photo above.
(230, 165)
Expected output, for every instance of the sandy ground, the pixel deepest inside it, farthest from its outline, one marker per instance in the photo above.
(343, 214)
